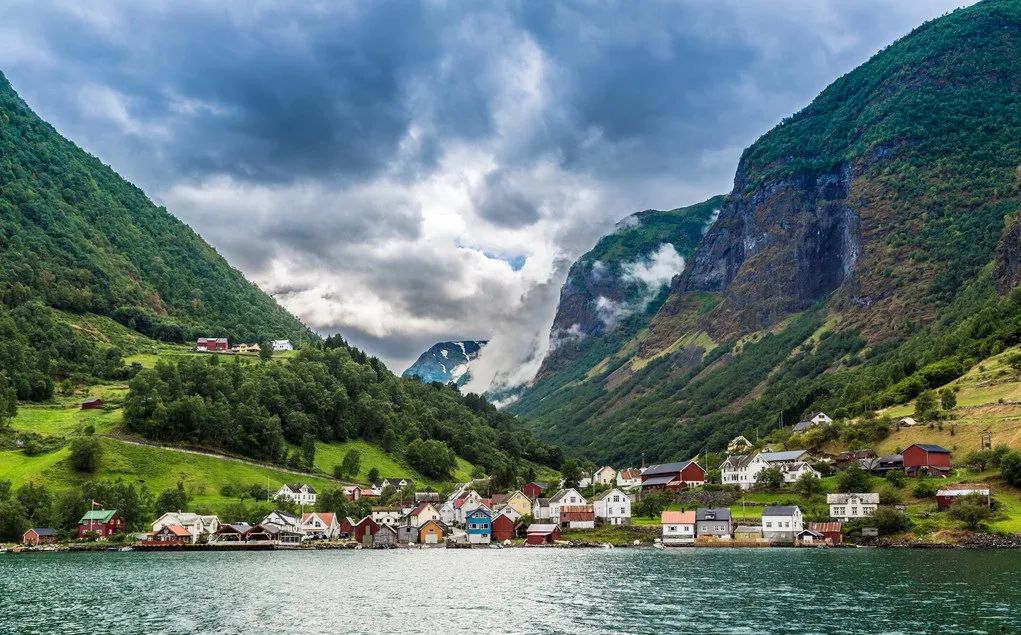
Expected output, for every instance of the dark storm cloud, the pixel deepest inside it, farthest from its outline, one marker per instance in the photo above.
(314, 137)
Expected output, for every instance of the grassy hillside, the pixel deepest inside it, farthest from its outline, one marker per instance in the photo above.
(858, 261)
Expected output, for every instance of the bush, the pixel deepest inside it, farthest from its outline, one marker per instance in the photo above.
(889, 495)
(896, 478)
(1010, 468)
(889, 520)
(924, 488)
(431, 458)
(85, 454)
(769, 478)
(853, 479)
(970, 510)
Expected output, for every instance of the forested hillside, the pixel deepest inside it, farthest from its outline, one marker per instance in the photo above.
(862, 257)
(76, 239)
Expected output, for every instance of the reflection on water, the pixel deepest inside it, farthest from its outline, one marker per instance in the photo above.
(514, 591)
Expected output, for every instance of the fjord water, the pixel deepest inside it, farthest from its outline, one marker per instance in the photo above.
(514, 590)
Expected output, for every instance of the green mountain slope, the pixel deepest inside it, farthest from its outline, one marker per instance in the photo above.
(861, 257)
(76, 237)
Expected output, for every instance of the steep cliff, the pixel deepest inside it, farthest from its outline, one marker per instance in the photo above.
(446, 362)
(857, 244)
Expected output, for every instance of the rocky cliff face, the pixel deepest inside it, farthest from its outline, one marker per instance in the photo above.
(446, 362)
(1007, 272)
(776, 249)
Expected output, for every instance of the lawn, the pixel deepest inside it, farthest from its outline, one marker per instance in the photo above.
(159, 469)
(63, 420)
(372, 456)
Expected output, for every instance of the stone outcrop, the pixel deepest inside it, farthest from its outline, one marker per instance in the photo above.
(1007, 271)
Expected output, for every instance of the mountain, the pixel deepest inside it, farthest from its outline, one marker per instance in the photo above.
(862, 257)
(76, 239)
(446, 362)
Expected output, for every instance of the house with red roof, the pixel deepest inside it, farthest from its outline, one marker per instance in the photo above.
(678, 528)
(832, 532)
(672, 476)
(170, 535)
(421, 513)
(320, 525)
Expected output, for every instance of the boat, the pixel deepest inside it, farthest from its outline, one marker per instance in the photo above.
(606, 545)
(124, 548)
(3, 549)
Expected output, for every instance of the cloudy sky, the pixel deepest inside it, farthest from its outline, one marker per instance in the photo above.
(405, 173)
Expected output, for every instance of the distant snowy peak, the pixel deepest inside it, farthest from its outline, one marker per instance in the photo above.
(446, 362)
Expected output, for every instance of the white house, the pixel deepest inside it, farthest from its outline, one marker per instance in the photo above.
(387, 515)
(541, 509)
(781, 523)
(301, 494)
(850, 506)
(739, 444)
(195, 524)
(678, 528)
(742, 469)
(794, 471)
(818, 419)
(630, 477)
(605, 475)
(282, 345)
(613, 507)
(421, 513)
(320, 524)
(509, 512)
(569, 496)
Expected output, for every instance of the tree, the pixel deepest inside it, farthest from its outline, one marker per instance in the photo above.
(308, 451)
(970, 510)
(431, 458)
(85, 454)
(265, 351)
(889, 495)
(948, 399)
(352, 463)
(808, 485)
(888, 520)
(853, 479)
(925, 405)
(13, 520)
(571, 472)
(1010, 468)
(895, 478)
(373, 475)
(769, 478)
(174, 499)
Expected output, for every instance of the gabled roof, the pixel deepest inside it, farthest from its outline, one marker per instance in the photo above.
(481, 510)
(736, 461)
(801, 426)
(712, 513)
(931, 447)
(177, 530)
(601, 495)
(44, 531)
(98, 515)
(660, 480)
(562, 493)
(629, 474)
(296, 487)
(870, 498)
(829, 527)
(666, 468)
(541, 528)
(779, 510)
(328, 518)
(981, 491)
(420, 508)
(678, 518)
(542, 502)
(788, 455)
(540, 484)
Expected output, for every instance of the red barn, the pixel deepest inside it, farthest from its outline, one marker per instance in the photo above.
(365, 527)
(832, 531)
(39, 536)
(934, 459)
(503, 528)
(104, 522)
(946, 497)
(672, 476)
(534, 489)
(541, 534)
(92, 404)
(212, 345)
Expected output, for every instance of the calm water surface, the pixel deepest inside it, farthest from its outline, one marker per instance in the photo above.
(514, 591)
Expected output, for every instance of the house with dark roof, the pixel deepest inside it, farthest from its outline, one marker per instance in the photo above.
(39, 536)
(926, 457)
(743, 469)
(781, 523)
(713, 521)
(612, 507)
(672, 476)
(535, 489)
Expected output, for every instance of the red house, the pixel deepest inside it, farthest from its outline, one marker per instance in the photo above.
(352, 493)
(104, 522)
(672, 476)
(365, 527)
(946, 497)
(542, 534)
(212, 345)
(934, 459)
(503, 528)
(92, 404)
(39, 536)
(832, 531)
(170, 535)
(534, 489)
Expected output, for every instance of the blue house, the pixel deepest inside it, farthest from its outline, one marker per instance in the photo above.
(478, 525)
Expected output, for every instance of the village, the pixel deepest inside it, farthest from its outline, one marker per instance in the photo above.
(679, 506)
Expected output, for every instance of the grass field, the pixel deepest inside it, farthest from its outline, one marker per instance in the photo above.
(372, 456)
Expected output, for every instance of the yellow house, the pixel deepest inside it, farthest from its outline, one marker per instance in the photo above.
(519, 503)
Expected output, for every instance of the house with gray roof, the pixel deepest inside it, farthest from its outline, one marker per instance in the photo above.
(781, 523)
(713, 521)
(742, 469)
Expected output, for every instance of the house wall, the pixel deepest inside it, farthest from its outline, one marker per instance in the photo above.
(915, 457)
(678, 533)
